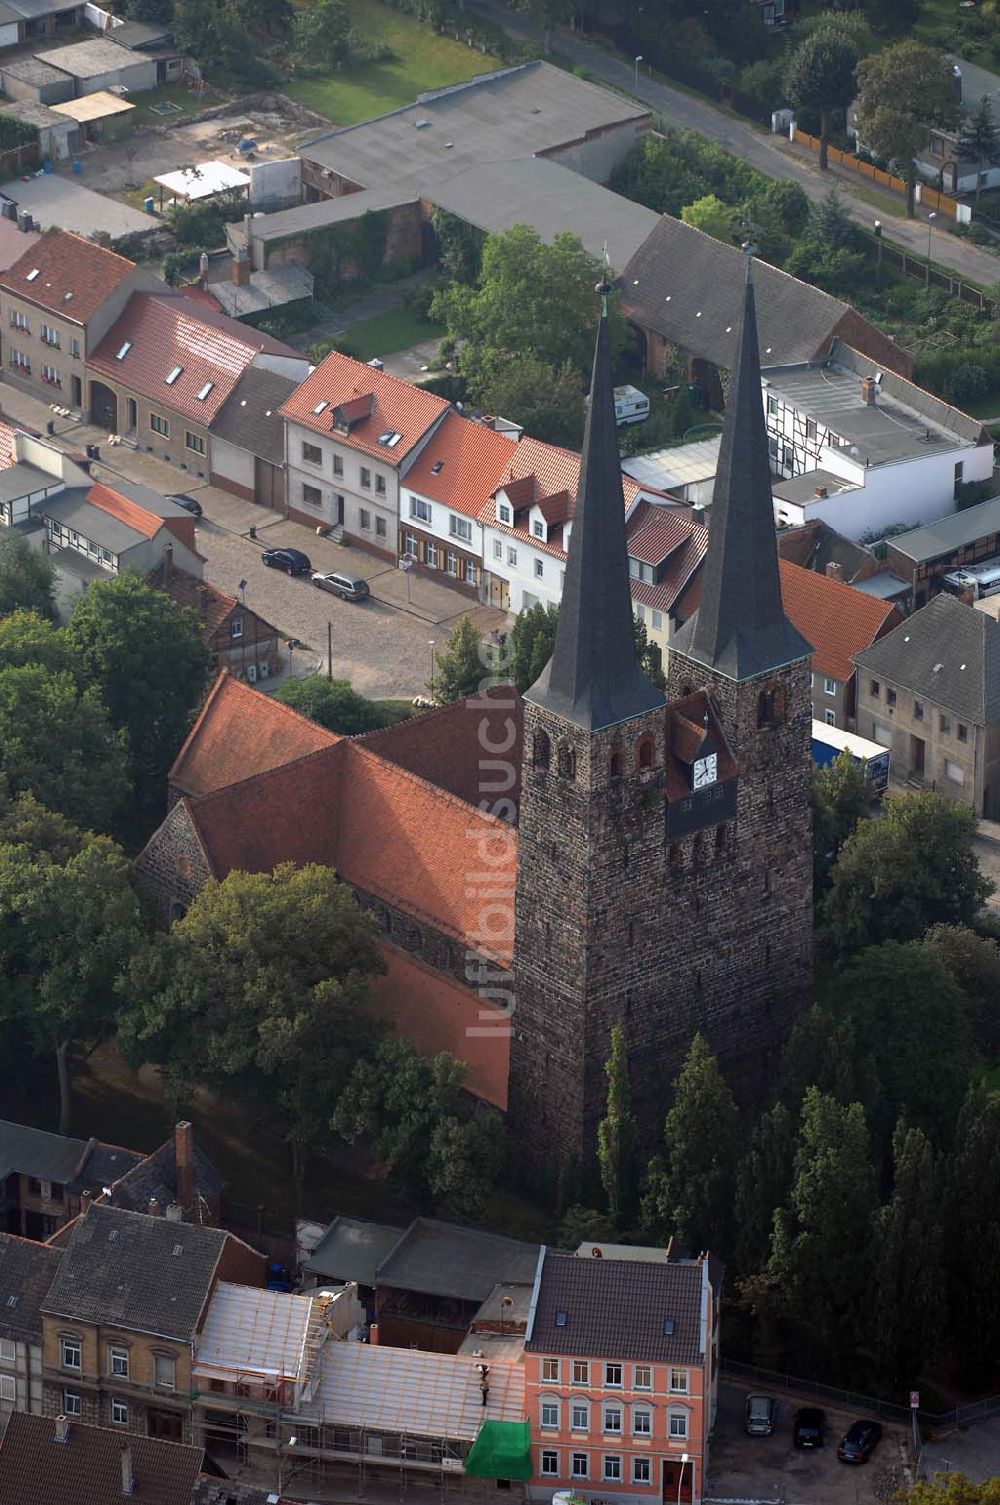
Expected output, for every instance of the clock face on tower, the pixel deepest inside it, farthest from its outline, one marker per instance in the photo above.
(705, 771)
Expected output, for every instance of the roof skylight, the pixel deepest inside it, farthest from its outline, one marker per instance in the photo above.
(35, 272)
(173, 375)
(320, 407)
(205, 390)
(123, 351)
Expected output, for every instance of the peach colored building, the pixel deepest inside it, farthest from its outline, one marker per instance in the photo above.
(621, 1374)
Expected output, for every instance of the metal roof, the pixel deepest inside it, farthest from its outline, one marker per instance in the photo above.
(72, 510)
(203, 181)
(803, 488)
(445, 1259)
(950, 533)
(682, 466)
(352, 1249)
(98, 106)
(403, 1390)
(91, 57)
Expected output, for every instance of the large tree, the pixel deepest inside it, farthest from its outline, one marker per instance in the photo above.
(260, 990)
(616, 1135)
(763, 1181)
(545, 399)
(149, 661)
(27, 638)
(897, 876)
(979, 141)
(423, 1131)
(820, 78)
(821, 1246)
(69, 923)
(529, 646)
(691, 1182)
(905, 92)
(27, 577)
(841, 797)
(321, 35)
(460, 666)
(973, 961)
(333, 703)
(57, 742)
(710, 215)
(908, 1273)
(972, 1212)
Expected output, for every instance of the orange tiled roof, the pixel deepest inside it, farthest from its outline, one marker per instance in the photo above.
(239, 733)
(8, 446)
(461, 465)
(396, 407)
(546, 476)
(212, 605)
(75, 276)
(838, 620)
(126, 511)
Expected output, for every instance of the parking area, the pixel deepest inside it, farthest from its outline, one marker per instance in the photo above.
(57, 199)
(770, 1468)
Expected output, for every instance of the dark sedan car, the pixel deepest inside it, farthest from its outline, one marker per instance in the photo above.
(291, 560)
(859, 1442)
(761, 1415)
(188, 503)
(810, 1428)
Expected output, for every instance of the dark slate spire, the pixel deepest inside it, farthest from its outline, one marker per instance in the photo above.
(740, 628)
(593, 678)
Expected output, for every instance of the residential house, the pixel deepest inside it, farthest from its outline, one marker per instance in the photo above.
(930, 691)
(681, 292)
(237, 638)
(56, 1458)
(248, 438)
(839, 621)
(666, 550)
(867, 448)
(43, 1176)
(352, 434)
(57, 301)
(164, 370)
(177, 1179)
(962, 540)
(621, 1374)
(27, 1270)
(445, 490)
(817, 546)
(121, 1319)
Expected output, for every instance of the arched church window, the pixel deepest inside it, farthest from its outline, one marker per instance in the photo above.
(771, 707)
(567, 761)
(616, 763)
(646, 750)
(541, 750)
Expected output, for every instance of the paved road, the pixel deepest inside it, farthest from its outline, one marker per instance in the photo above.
(771, 154)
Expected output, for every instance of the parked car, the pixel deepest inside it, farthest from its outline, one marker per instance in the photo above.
(859, 1442)
(188, 503)
(761, 1415)
(292, 560)
(810, 1428)
(347, 587)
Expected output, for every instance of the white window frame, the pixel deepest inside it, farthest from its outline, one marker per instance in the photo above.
(645, 1383)
(194, 442)
(159, 425)
(553, 1377)
(829, 685)
(539, 570)
(8, 1389)
(65, 1344)
(830, 717)
(451, 564)
(431, 555)
(549, 1408)
(420, 510)
(118, 1411)
(643, 1414)
(538, 528)
(578, 1407)
(460, 528)
(679, 1382)
(612, 1419)
(469, 573)
(580, 1374)
(164, 1384)
(50, 336)
(498, 548)
(642, 1465)
(71, 1403)
(512, 557)
(504, 513)
(118, 1365)
(677, 1426)
(611, 1469)
(580, 1466)
(8, 1352)
(236, 629)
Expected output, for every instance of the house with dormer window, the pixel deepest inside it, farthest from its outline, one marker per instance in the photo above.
(621, 1373)
(352, 433)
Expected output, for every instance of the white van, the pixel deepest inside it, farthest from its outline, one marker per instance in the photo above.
(631, 405)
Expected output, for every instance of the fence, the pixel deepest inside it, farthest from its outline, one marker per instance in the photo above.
(854, 1400)
(932, 276)
(929, 197)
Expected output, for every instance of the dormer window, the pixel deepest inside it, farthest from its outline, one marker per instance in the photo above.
(504, 514)
(538, 528)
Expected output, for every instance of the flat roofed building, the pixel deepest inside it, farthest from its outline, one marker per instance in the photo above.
(925, 555)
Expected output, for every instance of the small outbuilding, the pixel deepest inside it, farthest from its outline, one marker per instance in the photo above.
(98, 63)
(30, 78)
(207, 180)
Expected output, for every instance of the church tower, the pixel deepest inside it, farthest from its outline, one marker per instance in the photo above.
(665, 860)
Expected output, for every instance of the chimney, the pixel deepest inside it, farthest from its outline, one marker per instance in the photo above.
(967, 595)
(153, 1208)
(184, 1161)
(241, 269)
(956, 82)
(128, 1471)
(822, 492)
(869, 391)
(168, 560)
(62, 1428)
(698, 514)
(84, 1203)
(174, 1213)
(835, 571)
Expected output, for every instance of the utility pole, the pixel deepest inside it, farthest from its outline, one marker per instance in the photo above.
(329, 650)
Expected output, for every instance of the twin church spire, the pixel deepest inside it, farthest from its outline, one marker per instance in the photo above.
(740, 630)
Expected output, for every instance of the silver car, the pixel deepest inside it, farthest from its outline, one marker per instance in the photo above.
(761, 1415)
(347, 587)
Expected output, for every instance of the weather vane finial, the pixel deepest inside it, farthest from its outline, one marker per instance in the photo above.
(749, 251)
(605, 287)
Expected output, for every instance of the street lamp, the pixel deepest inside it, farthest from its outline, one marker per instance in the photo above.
(878, 242)
(293, 643)
(635, 79)
(930, 226)
(431, 646)
(685, 1458)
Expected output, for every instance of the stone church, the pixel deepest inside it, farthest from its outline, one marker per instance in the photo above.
(541, 869)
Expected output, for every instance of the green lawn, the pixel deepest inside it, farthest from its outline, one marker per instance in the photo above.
(939, 23)
(176, 94)
(421, 60)
(399, 329)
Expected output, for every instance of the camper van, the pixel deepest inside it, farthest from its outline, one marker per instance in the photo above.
(631, 405)
(981, 579)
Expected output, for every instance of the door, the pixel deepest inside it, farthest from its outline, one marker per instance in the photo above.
(103, 407)
(338, 510)
(499, 593)
(76, 391)
(131, 415)
(917, 751)
(268, 484)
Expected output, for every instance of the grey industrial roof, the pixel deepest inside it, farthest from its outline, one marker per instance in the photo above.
(948, 653)
(885, 586)
(21, 479)
(57, 1157)
(91, 57)
(950, 533)
(444, 1259)
(803, 488)
(32, 70)
(687, 286)
(287, 223)
(86, 1469)
(27, 1270)
(527, 110)
(613, 1308)
(903, 422)
(250, 418)
(30, 10)
(352, 1249)
(141, 34)
(80, 565)
(32, 111)
(126, 1269)
(682, 465)
(72, 509)
(150, 500)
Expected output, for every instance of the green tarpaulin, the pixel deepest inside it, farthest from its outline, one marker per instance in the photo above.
(501, 1451)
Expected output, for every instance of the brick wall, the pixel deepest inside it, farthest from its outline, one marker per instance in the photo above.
(172, 866)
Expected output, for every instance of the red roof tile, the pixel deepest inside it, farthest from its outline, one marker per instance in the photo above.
(655, 532)
(396, 407)
(288, 814)
(212, 605)
(167, 331)
(239, 733)
(66, 265)
(546, 476)
(447, 747)
(8, 448)
(838, 620)
(126, 511)
(14, 242)
(470, 460)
